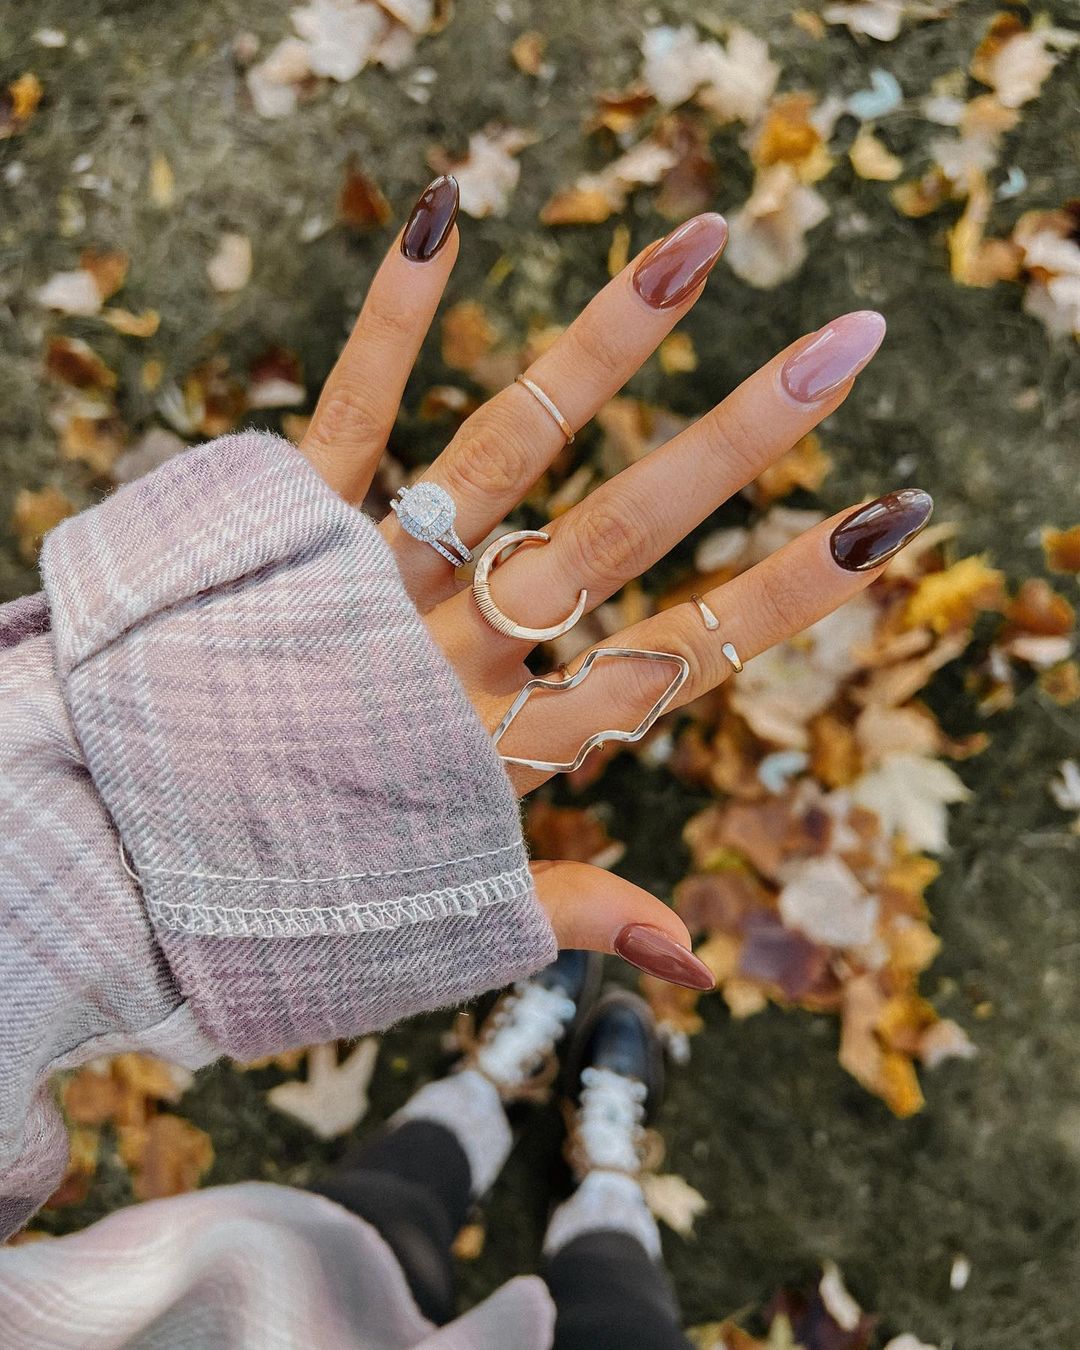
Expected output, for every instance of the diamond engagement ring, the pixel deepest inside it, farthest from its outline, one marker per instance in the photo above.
(427, 511)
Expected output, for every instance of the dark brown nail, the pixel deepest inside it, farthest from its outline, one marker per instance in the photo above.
(432, 220)
(877, 532)
(672, 271)
(651, 950)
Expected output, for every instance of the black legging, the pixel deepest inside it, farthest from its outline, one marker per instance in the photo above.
(412, 1184)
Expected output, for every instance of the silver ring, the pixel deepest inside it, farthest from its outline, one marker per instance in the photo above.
(481, 589)
(548, 406)
(712, 623)
(426, 511)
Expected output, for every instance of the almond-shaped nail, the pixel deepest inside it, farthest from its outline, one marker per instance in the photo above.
(673, 270)
(878, 531)
(651, 950)
(432, 219)
(832, 356)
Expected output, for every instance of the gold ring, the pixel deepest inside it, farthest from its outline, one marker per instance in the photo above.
(712, 623)
(481, 589)
(547, 405)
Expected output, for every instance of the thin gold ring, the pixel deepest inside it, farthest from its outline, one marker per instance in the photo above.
(493, 615)
(712, 623)
(548, 406)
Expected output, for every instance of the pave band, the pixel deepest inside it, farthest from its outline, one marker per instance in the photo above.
(712, 623)
(548, 406)
(426, 512)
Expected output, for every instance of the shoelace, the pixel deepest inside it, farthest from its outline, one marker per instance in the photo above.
(523, 1033)
(607, 1133)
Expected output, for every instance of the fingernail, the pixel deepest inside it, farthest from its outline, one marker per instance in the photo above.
(877, 532)
(672, 271)
(432, 219)
(832, 356)
(651, 950)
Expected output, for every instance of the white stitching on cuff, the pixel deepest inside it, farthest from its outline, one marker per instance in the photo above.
(211, 920)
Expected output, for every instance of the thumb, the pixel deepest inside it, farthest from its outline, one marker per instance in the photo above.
(592, 910)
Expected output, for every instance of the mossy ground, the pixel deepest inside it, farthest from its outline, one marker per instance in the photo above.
(968, 399)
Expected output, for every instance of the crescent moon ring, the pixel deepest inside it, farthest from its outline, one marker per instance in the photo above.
(486, 605)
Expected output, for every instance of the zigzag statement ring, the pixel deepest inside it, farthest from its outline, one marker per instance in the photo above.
(494, 616)
(598, 738)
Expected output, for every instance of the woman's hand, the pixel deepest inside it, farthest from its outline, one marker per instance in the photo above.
(618, 531)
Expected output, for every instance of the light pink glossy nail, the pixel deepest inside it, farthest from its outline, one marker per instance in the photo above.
(832, 356)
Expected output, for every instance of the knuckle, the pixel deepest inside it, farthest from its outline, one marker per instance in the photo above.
(389, 323)
(345, 414)
(608, 542)
(601, 349)
(733, 440)
(487, 462)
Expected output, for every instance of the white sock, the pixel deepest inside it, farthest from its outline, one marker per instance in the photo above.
(604, 1200)
(467, 1105)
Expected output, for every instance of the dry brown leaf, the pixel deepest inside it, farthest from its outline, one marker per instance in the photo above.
(788, 135)
(71, 361)
(572, 832)
(108, 270)
(467, 335)
(361, 203)
(528, 52)
(143, 325)
(35, 514)
(1015, 60)
(1061, 549)
(872, 159)
(620, 112)
(167, 1156)
(973, 260)
(1061, 683)
(677, 355)
(18, 103)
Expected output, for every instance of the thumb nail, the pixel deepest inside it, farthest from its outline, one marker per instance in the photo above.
(651, 950)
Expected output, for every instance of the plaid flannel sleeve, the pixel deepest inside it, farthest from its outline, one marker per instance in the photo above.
(323, 836)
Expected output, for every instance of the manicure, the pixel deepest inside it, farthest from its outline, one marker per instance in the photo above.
(673, 270)
(651, 950)
(432, 219)
(875, 533)
(832, 356)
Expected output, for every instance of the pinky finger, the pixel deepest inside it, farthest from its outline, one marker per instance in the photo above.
(771, 602)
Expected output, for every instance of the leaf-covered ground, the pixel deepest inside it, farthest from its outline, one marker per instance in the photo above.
(175, 259)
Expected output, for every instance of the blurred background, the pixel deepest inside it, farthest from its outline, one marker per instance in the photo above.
(875, 833)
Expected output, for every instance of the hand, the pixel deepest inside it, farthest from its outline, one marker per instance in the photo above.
(617, 532)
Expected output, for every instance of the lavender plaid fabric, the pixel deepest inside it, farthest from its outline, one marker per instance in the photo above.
(237, 686)
(324, 835)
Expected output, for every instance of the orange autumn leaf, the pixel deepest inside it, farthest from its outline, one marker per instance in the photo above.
(949, 600)
(788, 136)
(34, 515)
(108, 270)
(1061, 683)
(72, 361)
(361, 203)
(167, 1156)
(805, 466)
(1062, 549)
(18, 103)
(1038, 608)
(528, 52)
(467, 335)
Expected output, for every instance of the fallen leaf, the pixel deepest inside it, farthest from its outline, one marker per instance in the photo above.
(341, 36)
(73, 292)
(334, 1097)
(909, 795)
(73, 362)
(872, 159)
(1061, 549)
(489, 172)
(806, 465)
(467, 335)
(162, 182)
(1015, 60)
(768, 232)
(878, 19)
(469, 1243)
(230, 267)
(677, 355)
(673, 1201)
(823, 899)
(361, 203)
(949, 600)
(35, 514)
(596, 196)
(528, 52)
(18, 103)
(734, 82)
(167, 1156)
(143, 325)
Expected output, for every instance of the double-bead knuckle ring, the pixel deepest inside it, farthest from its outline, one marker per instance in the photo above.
(712, 623)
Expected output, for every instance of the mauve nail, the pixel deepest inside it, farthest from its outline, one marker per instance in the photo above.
(432, 219)
(673, 270)
(832, 356)
(651, 950)
(877, 532)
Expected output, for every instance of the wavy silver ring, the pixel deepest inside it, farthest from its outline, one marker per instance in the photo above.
(481, 589)
(598, 738)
